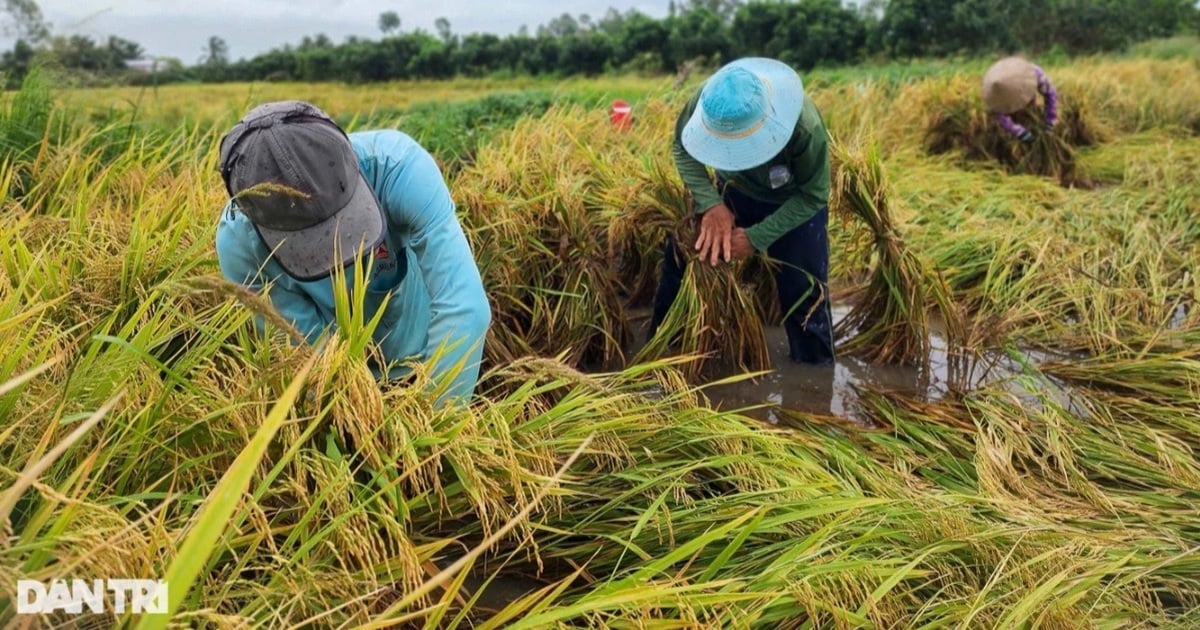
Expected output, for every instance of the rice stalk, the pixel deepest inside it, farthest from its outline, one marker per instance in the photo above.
(888, 317)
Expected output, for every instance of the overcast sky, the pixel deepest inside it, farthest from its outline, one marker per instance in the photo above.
(180, 28)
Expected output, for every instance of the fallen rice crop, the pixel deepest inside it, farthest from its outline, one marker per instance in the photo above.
(149, 430)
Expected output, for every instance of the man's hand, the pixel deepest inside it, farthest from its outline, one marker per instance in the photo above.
(716, 234)
(741, 246)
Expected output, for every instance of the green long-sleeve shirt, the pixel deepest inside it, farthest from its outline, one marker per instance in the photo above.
(806, 156)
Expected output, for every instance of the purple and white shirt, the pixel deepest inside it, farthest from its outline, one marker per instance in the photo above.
(1047, 90)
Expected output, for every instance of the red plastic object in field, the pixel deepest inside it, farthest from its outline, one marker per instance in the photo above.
(621, 114)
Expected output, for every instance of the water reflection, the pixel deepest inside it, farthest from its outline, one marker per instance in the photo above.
(824, 390)
(838, 391)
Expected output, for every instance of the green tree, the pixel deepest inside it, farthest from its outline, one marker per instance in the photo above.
(78, 52)
(913, 27)
(586, 54)
(122, 50)
(756, 25)
(362, 62)
(802, 33)
(320, 40)
(317, 64)
(16, 63)
(480, 54)
(216, 53)
(433, 58)
(274, 65)
(643, 39)
(562, 26)
(725, 9)
(543, 56)
(25, 22)
(1085, 26)
(613, 22)
(698, 33)
(389, 22)
(443, 29)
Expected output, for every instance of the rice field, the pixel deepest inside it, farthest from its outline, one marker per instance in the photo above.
(600, 479)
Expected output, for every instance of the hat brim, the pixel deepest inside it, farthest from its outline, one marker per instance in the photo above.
(1009, 86)
(314, 252)
(748, 150)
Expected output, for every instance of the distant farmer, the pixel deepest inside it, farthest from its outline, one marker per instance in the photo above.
(763, 136)
(326, 200)
(1011, 85)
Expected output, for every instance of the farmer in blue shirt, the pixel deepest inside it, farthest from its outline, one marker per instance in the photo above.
(308, 199)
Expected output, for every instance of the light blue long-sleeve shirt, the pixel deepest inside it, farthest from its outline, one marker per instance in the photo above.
(436, 294)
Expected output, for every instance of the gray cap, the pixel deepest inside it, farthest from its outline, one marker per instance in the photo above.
(291, 169)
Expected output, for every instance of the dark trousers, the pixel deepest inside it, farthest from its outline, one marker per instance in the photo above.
(801, 260)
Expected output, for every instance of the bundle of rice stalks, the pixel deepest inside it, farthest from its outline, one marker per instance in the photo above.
(644, 211)
(758, 274)
(568, 224)
(717, 314)
(1077, 126)
(957, 121)
(541, 245)
(715, 317)
(887, 318)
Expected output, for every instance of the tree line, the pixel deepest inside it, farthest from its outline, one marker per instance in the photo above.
(804, 33)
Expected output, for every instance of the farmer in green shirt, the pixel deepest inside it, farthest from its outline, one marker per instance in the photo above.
(755, 127)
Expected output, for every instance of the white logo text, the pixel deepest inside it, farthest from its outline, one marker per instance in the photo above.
(73, 596)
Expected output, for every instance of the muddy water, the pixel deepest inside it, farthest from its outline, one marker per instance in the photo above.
(838, 390)
(833, 390)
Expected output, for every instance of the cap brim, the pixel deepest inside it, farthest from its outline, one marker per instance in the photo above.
(315, 252)
(752, 149)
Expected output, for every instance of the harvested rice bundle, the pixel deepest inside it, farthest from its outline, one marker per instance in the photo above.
(637, 232)
(758, 273)
(717, 315)
(959, 122)
(887, 322)
(1077, 126)
(641, 207)
(541, 246)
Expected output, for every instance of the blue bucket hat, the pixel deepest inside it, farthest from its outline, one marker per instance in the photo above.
(746, 114)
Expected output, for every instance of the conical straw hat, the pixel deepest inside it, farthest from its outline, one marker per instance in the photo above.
(1009, 85)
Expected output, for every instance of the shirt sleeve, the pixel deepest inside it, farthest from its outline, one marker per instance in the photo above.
(1050, 94)
(694, 174)
(812, 160)
(243, 259)
(1008, 124)
(416, 196)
